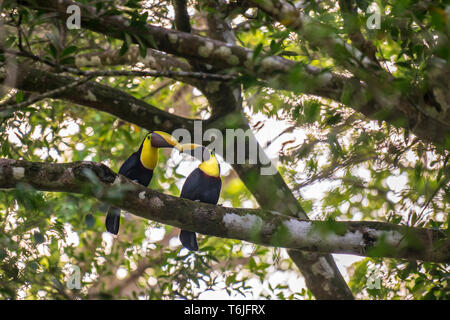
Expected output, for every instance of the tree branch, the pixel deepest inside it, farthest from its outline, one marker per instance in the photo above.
(263, 187)
(349, 14)
(214, 52)
(364, 238)
(182, 21)
(377, 98)
(397, 110)
(99, 97)
(154, 59)
(11, 107)
(289, 16)
(131, 73)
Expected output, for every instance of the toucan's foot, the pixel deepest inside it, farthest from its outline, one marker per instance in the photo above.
(189, 240)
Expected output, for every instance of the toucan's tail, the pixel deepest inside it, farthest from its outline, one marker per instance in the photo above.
(189, 240)
(112, 221)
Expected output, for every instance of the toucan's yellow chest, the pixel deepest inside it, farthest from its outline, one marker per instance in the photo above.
(210, 167)
(149, 155)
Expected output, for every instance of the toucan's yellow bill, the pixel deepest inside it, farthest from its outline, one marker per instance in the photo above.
(197, 151)
(189, 147)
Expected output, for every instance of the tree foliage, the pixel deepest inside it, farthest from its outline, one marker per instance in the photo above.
(362, 133)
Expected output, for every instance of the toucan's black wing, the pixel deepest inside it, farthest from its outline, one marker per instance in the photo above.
(210, 193)
(190, 190)
(198, 186)
(192, 185)
(129, 164)
(133, 169)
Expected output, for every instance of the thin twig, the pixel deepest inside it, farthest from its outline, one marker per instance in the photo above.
(152, 73)
(131, 73)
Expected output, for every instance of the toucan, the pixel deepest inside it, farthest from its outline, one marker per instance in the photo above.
(203, 184)
(139, 167)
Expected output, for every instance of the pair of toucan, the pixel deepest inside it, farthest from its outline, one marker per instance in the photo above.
(203, 184)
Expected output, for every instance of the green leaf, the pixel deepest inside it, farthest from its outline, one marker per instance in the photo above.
(134, 4)
(257, 51)
(69, 50)
(126, 44)
(311, 111)
(19, 96)
(68, 61)
(38, 238)
(142, 46)
(89, 220)
(53, 51)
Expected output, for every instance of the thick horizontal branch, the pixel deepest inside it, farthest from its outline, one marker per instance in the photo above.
(374, 239)
(154, 59)
(7, 106)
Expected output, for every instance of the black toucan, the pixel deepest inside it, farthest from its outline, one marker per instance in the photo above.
(203, 184)
(139, 167)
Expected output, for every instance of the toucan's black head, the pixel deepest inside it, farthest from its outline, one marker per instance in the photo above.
(149, 148)
(209, 164)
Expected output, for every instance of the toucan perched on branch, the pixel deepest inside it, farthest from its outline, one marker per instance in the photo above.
(139, 167)
(203, 184)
